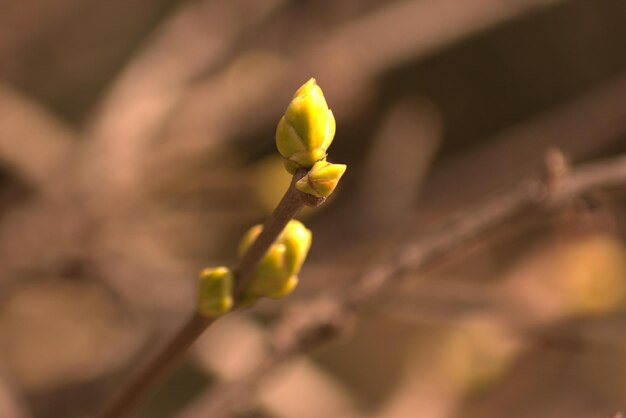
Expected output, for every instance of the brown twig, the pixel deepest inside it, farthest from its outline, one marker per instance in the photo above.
(287, 208)
(304, 330)
(470, 224)
(138, 387)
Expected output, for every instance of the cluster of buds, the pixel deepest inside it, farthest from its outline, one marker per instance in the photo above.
(277, 274)
(303, 136)
(275, 277)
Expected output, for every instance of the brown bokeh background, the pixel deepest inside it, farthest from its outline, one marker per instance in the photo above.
(136, 146)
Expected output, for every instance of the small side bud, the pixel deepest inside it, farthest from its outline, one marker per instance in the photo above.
(307, 128)
(215, 292)
(249, 237)
(297, 240)
(322, 179)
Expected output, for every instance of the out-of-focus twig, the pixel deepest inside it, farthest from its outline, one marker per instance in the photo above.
(409, 137)
(356, 52)
(302, 327)
(308, 327)
(37, 149)
(10, 402)
(581, 127)
(34, 144)
(194, 40)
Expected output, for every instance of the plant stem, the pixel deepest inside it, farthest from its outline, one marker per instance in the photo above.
(165, 359)
(137, 388)
(287, 208)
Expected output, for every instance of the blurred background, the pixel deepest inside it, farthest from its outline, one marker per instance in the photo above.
(136, 146)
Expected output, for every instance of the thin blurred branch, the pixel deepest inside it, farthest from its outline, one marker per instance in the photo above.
(35, 144)
(39, 150)
(355, 53)
(10, 402)
(303, 326)
(421, 27)
(196, 39)
(410, 135)
(579, 128)
(310, 324)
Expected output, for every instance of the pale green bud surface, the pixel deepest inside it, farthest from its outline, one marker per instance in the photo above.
(272, 266)
(282, 289)
(215, 291)
(297, 239)
(307, 128)
(322, 179)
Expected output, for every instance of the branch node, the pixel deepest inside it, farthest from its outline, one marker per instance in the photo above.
(310, 200)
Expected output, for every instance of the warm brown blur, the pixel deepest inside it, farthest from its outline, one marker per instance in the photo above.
(137, 145)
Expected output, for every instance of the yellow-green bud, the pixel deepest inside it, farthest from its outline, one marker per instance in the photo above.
(272, 267)
(276, 275)
(279, 290)
(307, 128)
(322, 179)
(215, 292)
(297, 240)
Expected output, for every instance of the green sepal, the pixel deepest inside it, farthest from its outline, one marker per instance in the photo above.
(322, 179)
